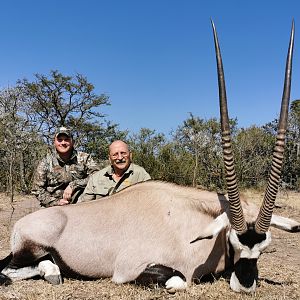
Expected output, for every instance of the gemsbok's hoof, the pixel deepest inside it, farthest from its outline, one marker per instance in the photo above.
(50, 272)
(174, 284)
(54, 279)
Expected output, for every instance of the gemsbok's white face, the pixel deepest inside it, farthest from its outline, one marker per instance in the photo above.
(247, 249)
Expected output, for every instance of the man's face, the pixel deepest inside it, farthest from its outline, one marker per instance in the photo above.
(63, 144)
(119, 156)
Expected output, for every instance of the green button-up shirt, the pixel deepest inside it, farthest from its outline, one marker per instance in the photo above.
(102, 184)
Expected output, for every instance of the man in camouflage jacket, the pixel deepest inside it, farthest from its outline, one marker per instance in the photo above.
(61, 176)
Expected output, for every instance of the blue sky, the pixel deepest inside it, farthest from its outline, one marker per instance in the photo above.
(155, 59)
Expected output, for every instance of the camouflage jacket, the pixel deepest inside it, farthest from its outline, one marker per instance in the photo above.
(102, 184)
(53, 175)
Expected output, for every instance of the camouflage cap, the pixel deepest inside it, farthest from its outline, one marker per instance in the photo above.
(63, 130)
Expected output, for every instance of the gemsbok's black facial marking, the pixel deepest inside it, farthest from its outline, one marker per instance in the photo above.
(246, 271)
(251, 237)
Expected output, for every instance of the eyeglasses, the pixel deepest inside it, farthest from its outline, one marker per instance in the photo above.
(118, 154)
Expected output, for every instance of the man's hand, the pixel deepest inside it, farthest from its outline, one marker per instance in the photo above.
(62, 202)
(67, 193)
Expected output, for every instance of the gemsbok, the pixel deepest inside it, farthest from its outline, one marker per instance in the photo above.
(157, 232)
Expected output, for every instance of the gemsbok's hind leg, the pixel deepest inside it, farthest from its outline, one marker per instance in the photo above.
(21, 273)
(10, 271)
(29, 262)
(45, 269)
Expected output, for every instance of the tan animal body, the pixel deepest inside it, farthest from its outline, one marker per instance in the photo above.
(156, 231)
(145, 225)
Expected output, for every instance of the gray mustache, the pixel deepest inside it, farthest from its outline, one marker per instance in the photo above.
(120, 161)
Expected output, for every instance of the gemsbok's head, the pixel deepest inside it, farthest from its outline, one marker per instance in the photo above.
(249, 240)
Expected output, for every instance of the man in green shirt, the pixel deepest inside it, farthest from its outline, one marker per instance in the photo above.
(119, 175)
(62, 175)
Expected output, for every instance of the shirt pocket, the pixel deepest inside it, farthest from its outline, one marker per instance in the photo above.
(102, 188)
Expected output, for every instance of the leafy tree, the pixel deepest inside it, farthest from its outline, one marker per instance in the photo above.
(60, 100)
(201, 140)
(145, 146)
(192, 135)
(19, 144)
(253, 149)
(291, 168)
(96, 139)
(175, 164)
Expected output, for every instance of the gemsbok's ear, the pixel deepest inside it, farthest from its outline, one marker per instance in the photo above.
(285, 224)
(214, 228)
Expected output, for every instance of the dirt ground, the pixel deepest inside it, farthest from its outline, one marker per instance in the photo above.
(279, 276)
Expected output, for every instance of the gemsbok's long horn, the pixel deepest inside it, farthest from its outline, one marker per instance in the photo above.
(237, 217)
(264, 217)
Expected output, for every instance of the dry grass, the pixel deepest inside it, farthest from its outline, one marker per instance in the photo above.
(284, 199)
(279, 266)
